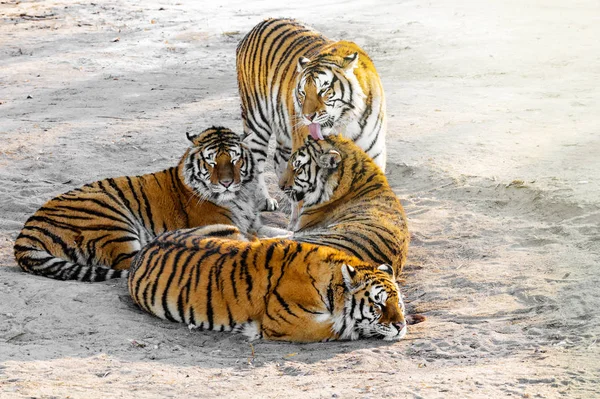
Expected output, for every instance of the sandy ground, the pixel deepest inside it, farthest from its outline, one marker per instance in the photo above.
(493, 148)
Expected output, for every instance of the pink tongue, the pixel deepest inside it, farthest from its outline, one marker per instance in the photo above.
(315, 131)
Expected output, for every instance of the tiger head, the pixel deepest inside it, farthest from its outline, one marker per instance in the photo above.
(218, 164)
(327, 92)
(312, 172)
(373, 304)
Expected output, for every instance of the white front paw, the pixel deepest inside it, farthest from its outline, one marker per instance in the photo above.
(252, 331)
(270, 205)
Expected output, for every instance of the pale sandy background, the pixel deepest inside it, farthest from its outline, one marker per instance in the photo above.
(493, 147)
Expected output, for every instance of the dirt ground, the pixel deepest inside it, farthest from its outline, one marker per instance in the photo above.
(494, 149)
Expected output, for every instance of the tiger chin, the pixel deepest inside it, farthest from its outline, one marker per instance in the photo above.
(273, 289)
(92, 233)
(342, 199)
(294, 82)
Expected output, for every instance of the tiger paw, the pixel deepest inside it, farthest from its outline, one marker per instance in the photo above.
(252, 331)
(270, 205)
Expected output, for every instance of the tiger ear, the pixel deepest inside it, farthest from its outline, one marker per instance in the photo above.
(191, 136)
(244, 146)
(330, 160)
(387, 269)
(349, 273)
(350, 62)
(302, 62)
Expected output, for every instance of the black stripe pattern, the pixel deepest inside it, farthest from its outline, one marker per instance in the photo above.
(276, 289)
(347, 202)
(92, 233)
(272, 82)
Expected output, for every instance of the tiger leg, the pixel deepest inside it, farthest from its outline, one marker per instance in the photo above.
(290, 316)
(280, 163)
(296, 206)
(264, 199)
(258, 144)
(296, 329)
(114, 249)
(281, 158)
(118, 251)
(273, 232)
(221, 231)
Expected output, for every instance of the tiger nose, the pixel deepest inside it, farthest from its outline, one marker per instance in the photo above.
(226, 182)
(310, 117)
(399, 325)
(283, 184)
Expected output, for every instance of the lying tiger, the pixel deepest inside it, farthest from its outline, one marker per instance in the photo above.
(274, 289)
(345, 202)
(294, 81)
(93, 232)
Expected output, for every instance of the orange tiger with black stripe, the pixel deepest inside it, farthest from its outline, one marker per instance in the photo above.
(92, 233)
(294, 81)
(274, 289)
(345, 202)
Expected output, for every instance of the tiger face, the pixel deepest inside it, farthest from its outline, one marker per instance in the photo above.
(310, 174)
(218, 165)
(327, 91)
(374, 305)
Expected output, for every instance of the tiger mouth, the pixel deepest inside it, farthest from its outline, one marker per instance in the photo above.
(221, 189)
(225, 196)
(218, 194)
(385, 331)
(384, 336)
(326, 124)
(389, 335)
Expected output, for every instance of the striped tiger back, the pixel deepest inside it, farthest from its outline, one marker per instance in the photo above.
(345, 202)
(92, 233)
(293, 81)
(274, 289)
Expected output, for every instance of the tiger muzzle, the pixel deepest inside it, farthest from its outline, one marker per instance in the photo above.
(226, 172)
(399, 325)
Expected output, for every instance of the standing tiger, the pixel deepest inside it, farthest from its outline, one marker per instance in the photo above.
(275, 289)
(293, 80)
(345, 202)
(92, 233)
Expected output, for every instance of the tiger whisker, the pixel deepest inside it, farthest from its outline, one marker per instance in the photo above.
(299, 124)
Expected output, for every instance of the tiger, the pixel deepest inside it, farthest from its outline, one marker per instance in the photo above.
(343, 200)
(273, 289)
(294, 81)
(93, 232)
